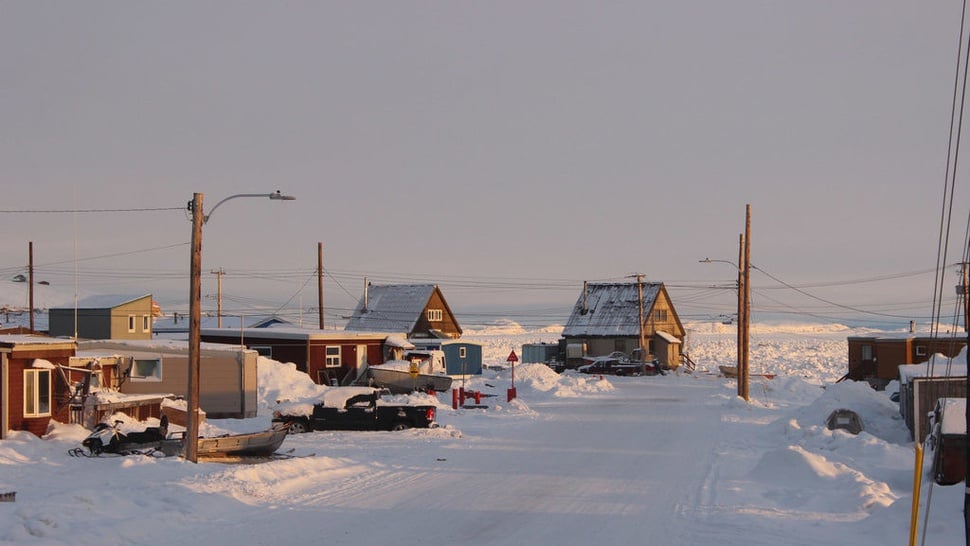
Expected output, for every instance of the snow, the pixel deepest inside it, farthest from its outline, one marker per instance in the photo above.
(574, 459)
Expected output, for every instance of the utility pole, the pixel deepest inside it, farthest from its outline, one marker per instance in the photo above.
(195, 337)
(30, 273)
(747, 302)
(320, 281)
(643, 347)
(219, 273)
(741, 317)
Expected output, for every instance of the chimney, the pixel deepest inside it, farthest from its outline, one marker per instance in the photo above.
(912, 326)
(366, 284)
(585, 293)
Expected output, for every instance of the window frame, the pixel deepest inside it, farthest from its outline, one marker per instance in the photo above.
(435, 315)
(131, 324)
(36, 403)
(146, 323)
(332, 360)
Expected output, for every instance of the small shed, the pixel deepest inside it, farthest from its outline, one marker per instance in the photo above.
(461, 357)
(876, 358)
(541, 353)
(31, 390)
(922, 385)
(950, 441)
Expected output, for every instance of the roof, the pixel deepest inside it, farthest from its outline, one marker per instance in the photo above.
(22, 340)
(295, 333)
(180, 324)
(104, 301)
(391, 308)
(611, 309)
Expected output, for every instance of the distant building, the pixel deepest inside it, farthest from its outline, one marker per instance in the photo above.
(176, 324)
(877, 358)
(606, 318)
(418, 309)
(104, 317)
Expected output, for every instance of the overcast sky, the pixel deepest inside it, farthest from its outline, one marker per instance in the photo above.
(495, 148)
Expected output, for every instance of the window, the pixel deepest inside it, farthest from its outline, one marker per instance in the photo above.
(333, 357)
(131, 323)
(660, 315)
(867, 352)
(263, 350)
(146, 323)
(921, 350)
(462, 352)
(435, 315)
(146, 369)
(37, 392)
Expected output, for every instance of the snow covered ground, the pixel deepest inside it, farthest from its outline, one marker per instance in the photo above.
(675, 459)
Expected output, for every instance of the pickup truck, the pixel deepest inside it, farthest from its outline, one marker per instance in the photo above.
(354, 408)
(617, 365)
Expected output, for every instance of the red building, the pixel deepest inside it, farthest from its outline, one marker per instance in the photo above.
(33, 387)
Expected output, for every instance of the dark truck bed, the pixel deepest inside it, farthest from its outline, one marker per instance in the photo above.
(360, 412)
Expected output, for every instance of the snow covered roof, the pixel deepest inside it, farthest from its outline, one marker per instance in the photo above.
(286, 332)
(180, 323)
(394, 307)
(104, 301)
(611, 309)
(19, 339)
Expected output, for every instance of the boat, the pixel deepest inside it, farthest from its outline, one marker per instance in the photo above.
(251, 444)
(402, 382)
(732, 371)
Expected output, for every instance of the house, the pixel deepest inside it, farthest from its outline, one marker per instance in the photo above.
(607, 318)
(921, 386)
(420, 310)
(227, 373)
(177, 326)
(104, 317)
(329, 357)
(461, 357)
(876, 359)
(32, 392)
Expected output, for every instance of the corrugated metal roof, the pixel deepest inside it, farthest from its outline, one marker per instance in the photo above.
(611, 310)
(391, 308)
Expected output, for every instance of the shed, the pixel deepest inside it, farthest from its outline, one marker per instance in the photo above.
(876, 359)
(104, 317)
(31, 390)
(922, 385)
(461, 357)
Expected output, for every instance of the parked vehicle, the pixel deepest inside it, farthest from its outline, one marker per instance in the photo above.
(617, 363)
(354, 408)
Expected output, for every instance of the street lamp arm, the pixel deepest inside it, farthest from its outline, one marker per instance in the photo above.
(710, 261)
(276, 196)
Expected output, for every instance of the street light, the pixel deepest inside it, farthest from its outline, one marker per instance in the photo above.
(742, 337)
(191, 451)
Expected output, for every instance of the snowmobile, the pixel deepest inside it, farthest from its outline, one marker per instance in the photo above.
(108, 438)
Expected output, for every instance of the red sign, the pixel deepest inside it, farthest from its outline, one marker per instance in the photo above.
(512, 357)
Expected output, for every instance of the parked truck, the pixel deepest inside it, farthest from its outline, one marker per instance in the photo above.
(354, 408)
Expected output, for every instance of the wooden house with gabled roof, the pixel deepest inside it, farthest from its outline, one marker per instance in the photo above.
(418, 309)
(607, 316)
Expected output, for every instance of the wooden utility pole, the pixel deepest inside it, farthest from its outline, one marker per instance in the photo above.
(320, 281)
(30, 274)
(740, 311)
(643, 341)
(747, 302)
(218, 273)
(195, 335)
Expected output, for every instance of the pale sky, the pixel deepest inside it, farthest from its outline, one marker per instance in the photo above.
(506, 151)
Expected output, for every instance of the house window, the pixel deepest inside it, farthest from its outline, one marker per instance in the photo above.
(660, 315)
(37, 393)
(462, 352)
(435, 315)
(146, 323)
(921, 350)
(263, 350)
(333, 356)
(146, 369)
(867, 352)
(131, 324)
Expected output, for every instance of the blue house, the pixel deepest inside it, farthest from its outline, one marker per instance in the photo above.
(461, 357)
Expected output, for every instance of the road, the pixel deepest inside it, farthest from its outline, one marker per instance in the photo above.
(614, 468)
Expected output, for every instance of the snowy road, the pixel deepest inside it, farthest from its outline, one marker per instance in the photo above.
(598, 475)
